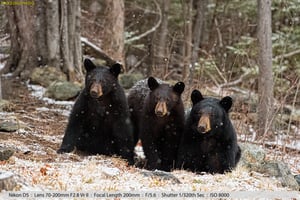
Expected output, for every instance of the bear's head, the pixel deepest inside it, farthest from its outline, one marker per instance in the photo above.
(163, 97)
(209, 114)
(101, 80)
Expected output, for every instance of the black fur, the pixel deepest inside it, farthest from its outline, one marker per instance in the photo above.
(100, 125)
(216, 151)
(160, 136)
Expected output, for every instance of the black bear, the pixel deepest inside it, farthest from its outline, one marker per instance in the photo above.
(209, 142)
(158, 115)
(100, 121)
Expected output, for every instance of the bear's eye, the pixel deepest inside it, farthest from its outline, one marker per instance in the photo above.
(198, 115)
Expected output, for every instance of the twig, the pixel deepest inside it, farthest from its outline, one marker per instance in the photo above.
(137, 64)
(235, 82)
(145, 10)
(286, 55)
(3, 39)
(220, 74)
(169, 73)
(219, 33)
(170, 53)
(150, 30)
(240, 90)
(293, 107)
(272, 145)
(212, 78)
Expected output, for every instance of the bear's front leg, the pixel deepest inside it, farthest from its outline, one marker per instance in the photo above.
(228, 159)
(169, 149)
(122, 132)
(152, 156)
(221, 161)
(74, 129)
(69, 140)
(72, 135)
(151, 148)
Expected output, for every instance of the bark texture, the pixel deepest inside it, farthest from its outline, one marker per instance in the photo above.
(46, 33)
(265, 77)
(162, 53)
(113, 37)
(187, 47)
(198, 32)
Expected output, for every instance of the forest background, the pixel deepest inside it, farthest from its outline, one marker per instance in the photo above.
(246, 49)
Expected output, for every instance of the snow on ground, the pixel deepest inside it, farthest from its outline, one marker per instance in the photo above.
(41, 169)
(99, 173)
(38, 92)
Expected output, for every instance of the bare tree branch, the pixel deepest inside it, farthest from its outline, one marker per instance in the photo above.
(137, 64)
(150, 30)
(287, 55)
(219, 33)
(4, 38)
(235, 82)
(97, 51)
(220, 73)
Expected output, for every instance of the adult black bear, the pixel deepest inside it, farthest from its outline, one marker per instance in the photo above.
(100, 121)
(158, 115)
(209, 142)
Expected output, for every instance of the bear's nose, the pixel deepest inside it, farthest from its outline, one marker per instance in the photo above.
(201, 128)
(94, 94)
(159, 113)
(204, 124)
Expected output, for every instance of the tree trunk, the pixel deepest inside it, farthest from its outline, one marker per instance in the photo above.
(187, 48)
(23, 51)
(161, 46)
(197, 34)
(265, 77)
(113, 41)
(46, 33)
(70, 38)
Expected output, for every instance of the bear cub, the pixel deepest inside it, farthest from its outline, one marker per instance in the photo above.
(99, 122)
(157, 113)
(209, 142)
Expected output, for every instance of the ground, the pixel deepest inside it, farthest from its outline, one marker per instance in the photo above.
(37, 166)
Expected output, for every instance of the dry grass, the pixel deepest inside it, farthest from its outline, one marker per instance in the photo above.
(37, 167)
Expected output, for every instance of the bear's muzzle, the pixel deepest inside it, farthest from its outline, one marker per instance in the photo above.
(204, 124)
(96, 90)
(161, 109)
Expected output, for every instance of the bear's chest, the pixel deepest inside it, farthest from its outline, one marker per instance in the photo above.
(102, 109)
(209, 145)
(165, 126)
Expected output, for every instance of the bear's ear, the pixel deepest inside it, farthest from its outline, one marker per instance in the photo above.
(179, 87)
(226, 103)
(196, 96)
(115, 69)
(89, 65)
(152, 83)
